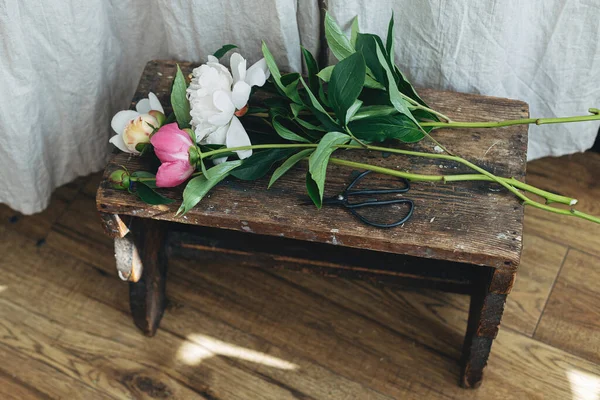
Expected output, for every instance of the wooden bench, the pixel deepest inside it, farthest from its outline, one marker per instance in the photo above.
(464, 237)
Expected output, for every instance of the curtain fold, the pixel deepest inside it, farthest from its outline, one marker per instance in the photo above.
(545, 52)
(67, 67)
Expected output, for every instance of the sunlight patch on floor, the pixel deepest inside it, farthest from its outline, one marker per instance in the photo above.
(200, 347)
(584, 386)
(3, 288)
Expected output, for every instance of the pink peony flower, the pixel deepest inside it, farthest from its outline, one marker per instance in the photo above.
(171, 146)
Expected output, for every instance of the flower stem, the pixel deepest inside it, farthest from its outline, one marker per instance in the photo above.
(444, 178)
(511, 184)
(511, 122)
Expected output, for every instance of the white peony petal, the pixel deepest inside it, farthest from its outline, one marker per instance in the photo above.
(121, 119)
(212, 59)
(237, 137)
(143, 106)
(155, 103)
(238, 67)
(117, 140)
(218, 161)
(222, 101)
(218, 136)
(240, 94)
(258, 73)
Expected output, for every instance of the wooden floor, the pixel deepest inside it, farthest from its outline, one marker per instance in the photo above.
(252, 333)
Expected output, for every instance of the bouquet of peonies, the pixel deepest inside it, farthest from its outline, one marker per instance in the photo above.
(362, 100)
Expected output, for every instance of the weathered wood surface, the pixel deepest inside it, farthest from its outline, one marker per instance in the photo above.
(571, 320)
(322, 259)
(466, 222)
(146, 253)
(348, 339)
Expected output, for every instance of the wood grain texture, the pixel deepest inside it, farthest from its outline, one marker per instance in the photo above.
(79, 232)
(37, 226)
(147, 299)
(571, 320)
(540, 264)
(576, 175)
(466, 222)
(349, 339)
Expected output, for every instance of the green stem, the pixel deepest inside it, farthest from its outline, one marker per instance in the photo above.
(444, 178)
(512, 185)
(550, 197)
(260, 146)
(511, 122)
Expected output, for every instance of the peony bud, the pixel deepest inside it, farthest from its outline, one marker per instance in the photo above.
(172, 146)
(138, 131)
(160, 117)
(119, 179)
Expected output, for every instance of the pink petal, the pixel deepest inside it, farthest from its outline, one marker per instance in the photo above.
(171, 143)
(173, 173)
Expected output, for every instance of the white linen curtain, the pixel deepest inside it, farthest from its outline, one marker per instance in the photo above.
(67, 66)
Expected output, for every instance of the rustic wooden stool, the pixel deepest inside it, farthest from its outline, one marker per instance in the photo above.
(463, 237)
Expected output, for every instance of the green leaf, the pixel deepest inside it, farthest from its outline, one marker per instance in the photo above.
(372, 83)
(313, 191)
(288, 164)
(325, 73)
(198, 187)
(309, 126)
(353, 109)
(389, 43)
(260, 163)
(150, 196)
(287, 133)
(289, 91)
(290, 79)
(367, 44)
(395, 97)
(317, 163)
(374, 111)
(346, 83)
(315, 102)
(221, 52)
(179, 101)
(354, 32)
(381, 128)
(336, 40)
(146, 175)
(312, 69)
(296, 108)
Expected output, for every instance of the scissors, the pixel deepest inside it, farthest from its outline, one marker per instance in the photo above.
(343, 199)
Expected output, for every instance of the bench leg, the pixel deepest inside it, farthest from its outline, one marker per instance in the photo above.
(485, 313)
(141, 259)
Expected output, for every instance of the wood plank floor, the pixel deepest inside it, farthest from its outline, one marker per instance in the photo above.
(253, 333)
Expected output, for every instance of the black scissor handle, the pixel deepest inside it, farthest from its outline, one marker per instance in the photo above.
(411, 208)
(348, 192)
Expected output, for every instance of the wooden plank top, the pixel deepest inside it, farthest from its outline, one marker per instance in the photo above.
(473, 222)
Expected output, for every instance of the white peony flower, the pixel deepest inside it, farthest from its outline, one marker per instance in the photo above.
(216, 98)
(134, 127)
(210, 82)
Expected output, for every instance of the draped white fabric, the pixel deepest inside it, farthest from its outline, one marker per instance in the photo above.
(545, 52)
(68, 66)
